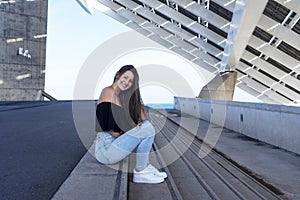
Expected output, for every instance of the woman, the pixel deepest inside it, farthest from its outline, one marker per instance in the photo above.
(121, 116)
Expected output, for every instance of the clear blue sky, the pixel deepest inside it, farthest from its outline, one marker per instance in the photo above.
(72, 36)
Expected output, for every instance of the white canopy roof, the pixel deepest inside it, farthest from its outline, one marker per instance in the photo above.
(258, 39)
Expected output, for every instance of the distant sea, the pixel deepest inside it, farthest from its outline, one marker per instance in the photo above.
(160, 105)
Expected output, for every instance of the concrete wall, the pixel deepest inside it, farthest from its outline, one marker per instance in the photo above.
(23, 24)
(221, 87)
(274, 124)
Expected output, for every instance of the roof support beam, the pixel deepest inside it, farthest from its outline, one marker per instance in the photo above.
(292, 5)
(186, 21)
(228, 4)
(271, 70)
(272, 99)
(275, 53)
(245, 18)
(188, 40)
(279, 31)
(204, 14)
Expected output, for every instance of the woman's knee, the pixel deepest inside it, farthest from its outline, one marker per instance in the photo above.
(106, 161)
(149, 128)
(100, 158)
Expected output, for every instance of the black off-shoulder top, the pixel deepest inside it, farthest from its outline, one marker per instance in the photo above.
(112, 117)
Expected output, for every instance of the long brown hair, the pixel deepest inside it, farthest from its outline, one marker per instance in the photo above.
(131, 98)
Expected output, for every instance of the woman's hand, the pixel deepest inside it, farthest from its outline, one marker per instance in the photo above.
(139, 125)
(115, 134)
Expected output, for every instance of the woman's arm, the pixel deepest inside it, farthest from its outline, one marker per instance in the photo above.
(143, 115)
(106, 95)
(142, 118)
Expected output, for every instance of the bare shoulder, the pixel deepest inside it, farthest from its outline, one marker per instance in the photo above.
(106, 95)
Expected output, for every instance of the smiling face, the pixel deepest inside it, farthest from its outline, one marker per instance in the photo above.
(125, 81)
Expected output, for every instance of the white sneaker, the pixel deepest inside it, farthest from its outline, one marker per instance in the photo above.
(162, 174)
(148, 175)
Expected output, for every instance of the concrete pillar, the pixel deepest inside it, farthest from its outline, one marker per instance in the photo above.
(23, 32)
(221, 87)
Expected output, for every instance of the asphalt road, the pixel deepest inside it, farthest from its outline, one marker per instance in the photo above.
(40, 146)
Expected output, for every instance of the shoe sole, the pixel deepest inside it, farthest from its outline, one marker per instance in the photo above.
(141, 180)
(164, 176)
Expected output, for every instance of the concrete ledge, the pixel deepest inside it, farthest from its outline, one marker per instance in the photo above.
(277, 125)
(92, 180)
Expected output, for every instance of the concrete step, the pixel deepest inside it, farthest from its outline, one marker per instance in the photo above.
(208, 177)
(166, 190)
(274, 167)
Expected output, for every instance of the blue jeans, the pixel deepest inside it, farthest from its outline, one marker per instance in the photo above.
(110, 150)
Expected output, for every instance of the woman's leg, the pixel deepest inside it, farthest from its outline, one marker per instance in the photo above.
(140, 137)
(142, 153)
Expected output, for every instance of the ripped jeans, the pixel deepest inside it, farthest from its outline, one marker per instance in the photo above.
(110, 150)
